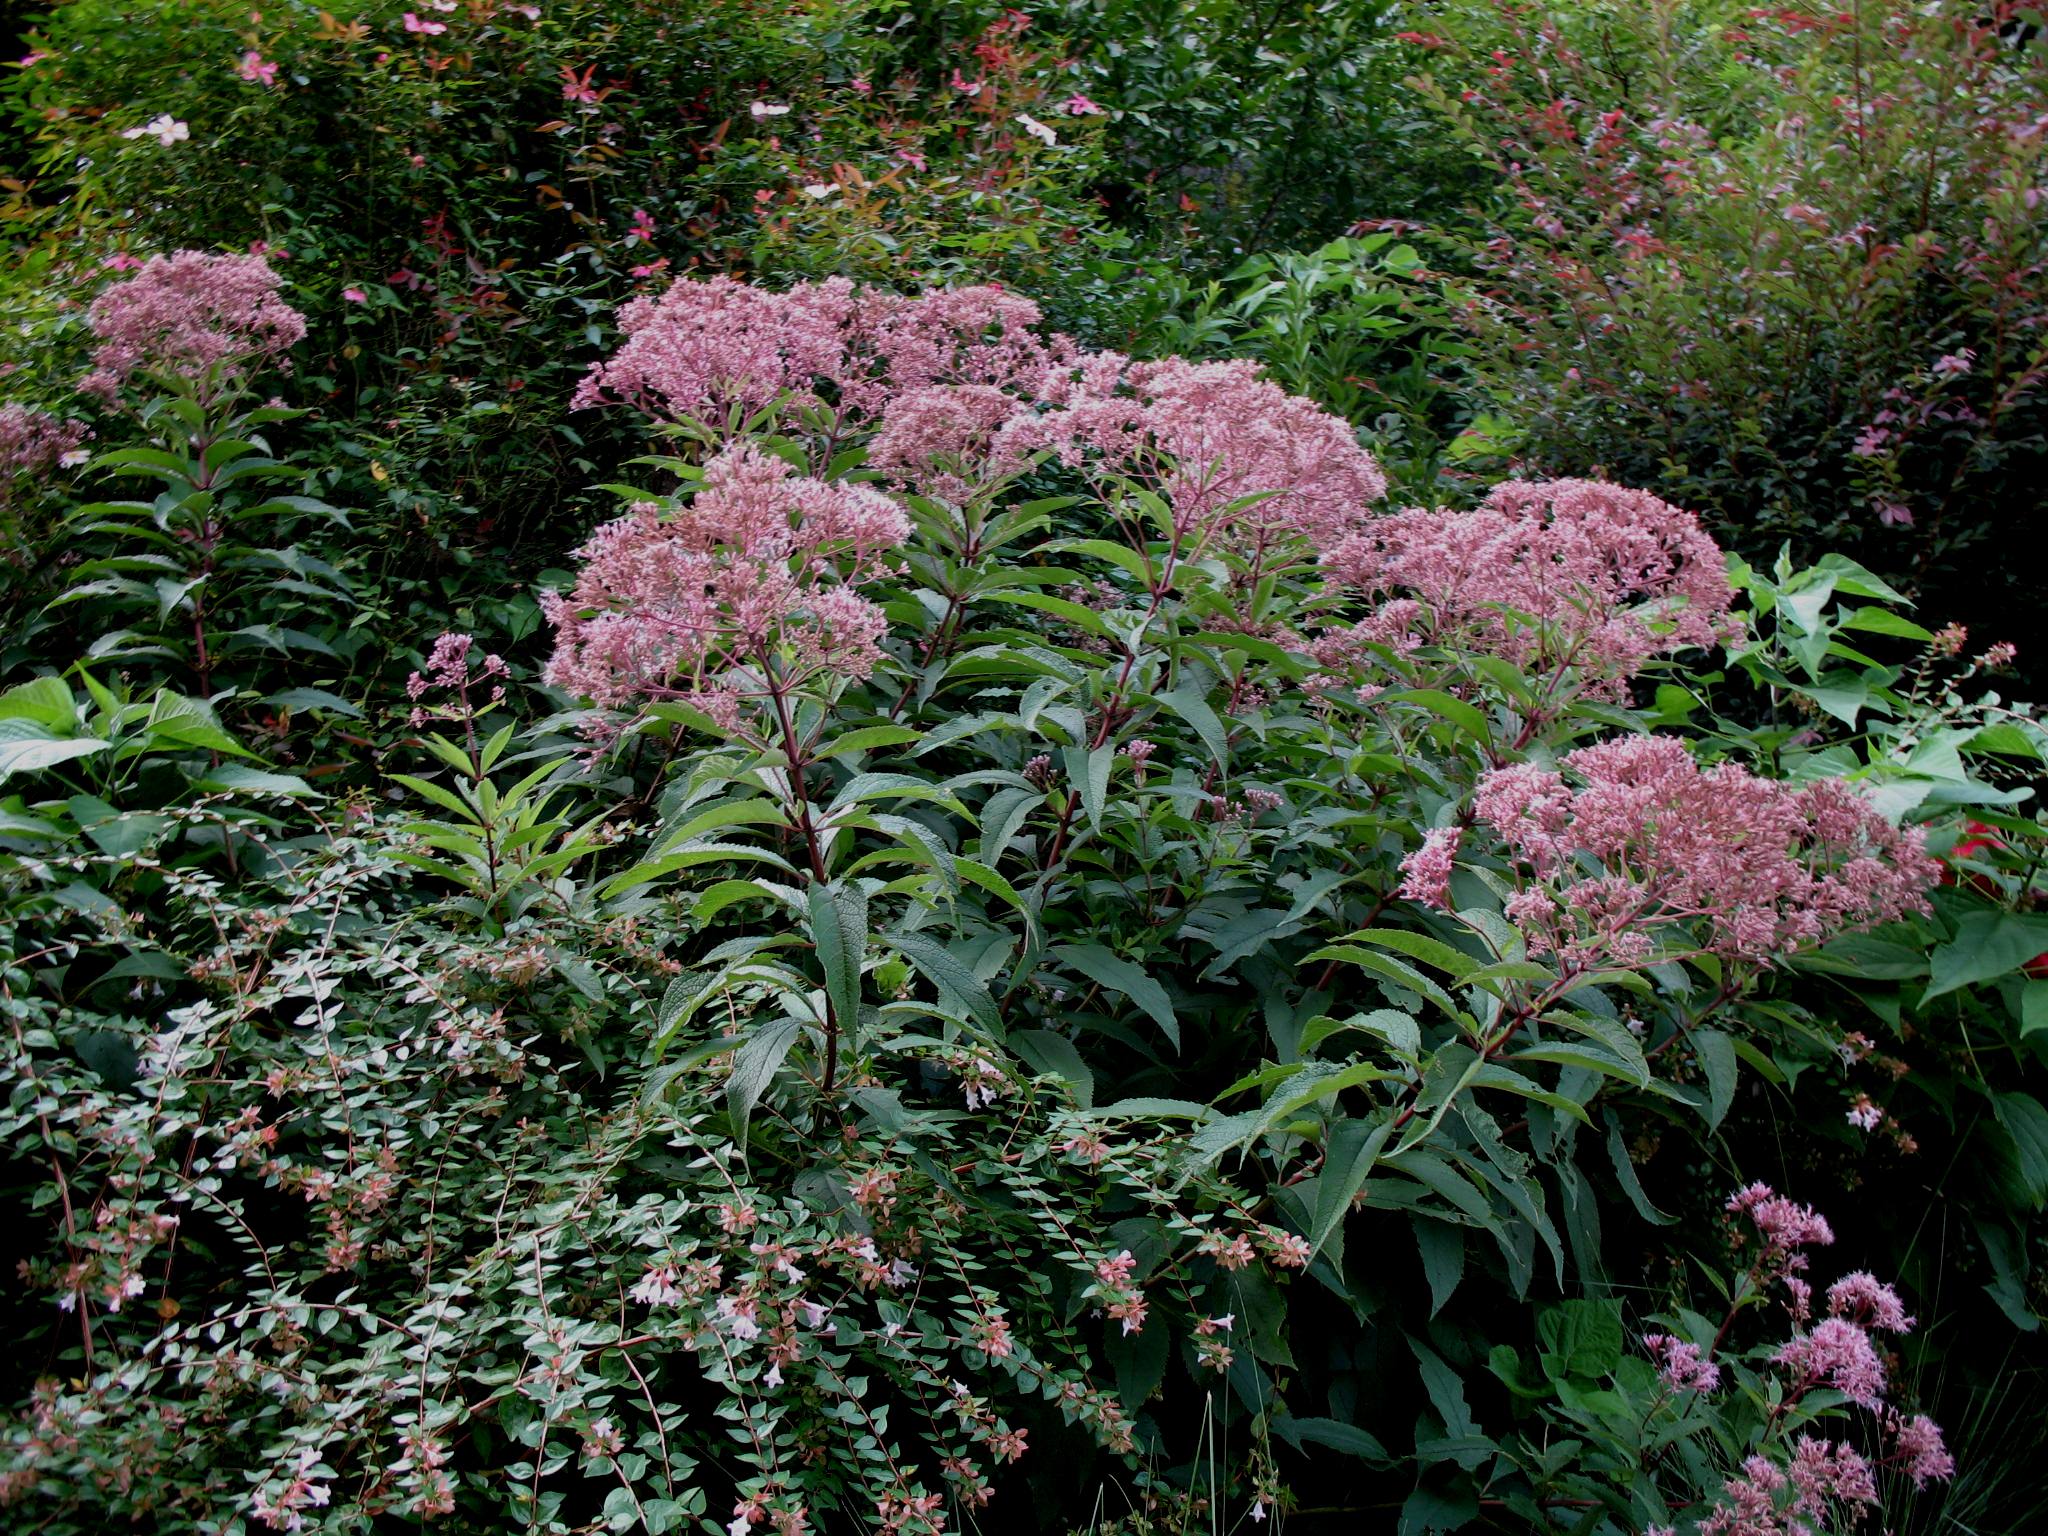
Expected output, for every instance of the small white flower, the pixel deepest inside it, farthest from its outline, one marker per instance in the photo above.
(75, 457)
(773, 1378)
(762, 109)
(740, 1525)
(166, 128)
(1038, 130)
(818, 191)
(814, 1314)
(1259, 1511)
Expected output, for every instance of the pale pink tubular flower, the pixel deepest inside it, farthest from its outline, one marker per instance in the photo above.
(32, 443)
(1920, 1447)
(1836, 1353)
(186, 313)
(1712, 859)
(936, 438)
(702, 347)
(1863, 1298)
(1784, 1225)
(1610, 577)
(759, 570)
(1827, 1472)
(1681, 1364)
(1210, 437)
(1426, 873)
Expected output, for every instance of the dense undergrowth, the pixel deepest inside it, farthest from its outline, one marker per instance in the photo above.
(1129, 767)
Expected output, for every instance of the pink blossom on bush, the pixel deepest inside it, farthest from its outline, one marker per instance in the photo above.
(757, 571)
(1862, 1298)
(702, 347)
(1208, 435)
(1920, 1446)
(257, 70)
(976, 335)
(1612, 577)
(32, 443)
(1426, 873)
(936, 438)
(1824, 1472)
(1784, 1225)
(186, 314)
(1836, 1353)
(1696, 859)
(1681, 1364)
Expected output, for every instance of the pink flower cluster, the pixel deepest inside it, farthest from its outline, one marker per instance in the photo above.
(749, 588)
(1556, 575)
(964, 389)
(187, 314)
(1797, 1496)
(1692, 859)
(33, 443)
(1767, 1500)
(703, 347)
(1681, 1364)
(449, 667)
(1210, 436)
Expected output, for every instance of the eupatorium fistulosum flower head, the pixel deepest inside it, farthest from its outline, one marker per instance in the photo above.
(186, 313)
(1553, 574)
(1648, 853)
(754, 576)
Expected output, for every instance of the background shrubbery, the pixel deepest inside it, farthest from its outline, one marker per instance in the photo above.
(1049, 1028)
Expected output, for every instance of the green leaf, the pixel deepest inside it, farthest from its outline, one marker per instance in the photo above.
(237, 778)
(1348, 1160)
(45, 700)
(754, 1066)
(190, 723)
(839, 931)
(1625, 1174)
(956, 983)
(2025, 1121)
(1454, 963)
(866, 739)
(1051, 1054)
(2033, 1007)
(1716, 1054)
(1088, 772)
(1442, 1247)
(1119, 975)
(1333, 1433)
(688, 858)
(1581, 1339)
(34, 754)
(1187, 702)
(1987, 945)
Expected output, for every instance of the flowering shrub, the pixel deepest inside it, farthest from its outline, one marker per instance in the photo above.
(1763, 263)
(1769, 1413)
(1571, 577)
(1037, 929)
(192, 315)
